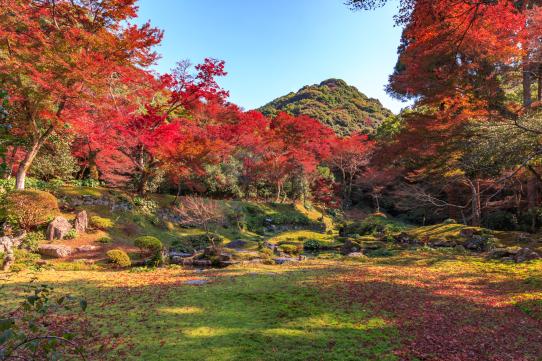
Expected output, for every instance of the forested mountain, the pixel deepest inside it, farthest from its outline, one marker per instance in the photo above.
(334, 103)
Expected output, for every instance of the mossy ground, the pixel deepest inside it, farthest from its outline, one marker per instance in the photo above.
(381, 309)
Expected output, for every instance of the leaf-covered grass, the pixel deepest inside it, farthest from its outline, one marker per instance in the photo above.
(413, 305)
(267, 313)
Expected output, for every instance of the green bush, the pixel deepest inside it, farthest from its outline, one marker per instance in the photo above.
(101, 222)
(32, 239)
(196, 242)
(72, 234)
(290, 249)
(145, 206)
(30, 208)
(149, 243)
(312, 245)
(105, 240)
(119, 258)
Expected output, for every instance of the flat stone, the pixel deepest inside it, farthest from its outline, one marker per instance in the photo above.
(180, 254)
(196, 282)
(55, 250)
(87, 248)
(356, 255)
(283, 260)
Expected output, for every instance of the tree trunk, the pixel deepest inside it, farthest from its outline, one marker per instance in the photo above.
(92, 167)
(539, 90)
(527, 82)
(25, 164)
(475, 203)
(532, 197)
(377, 203)
(142, 184)
(279, 191)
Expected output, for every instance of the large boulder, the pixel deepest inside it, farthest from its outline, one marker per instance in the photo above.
(503, 253)
(55, 250)
(81, 222)
(58, 228)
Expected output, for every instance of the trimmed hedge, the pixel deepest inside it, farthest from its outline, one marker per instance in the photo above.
(101, 222)
(119, 258)
(149, 243)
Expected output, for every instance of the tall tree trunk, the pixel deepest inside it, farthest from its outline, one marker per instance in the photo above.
(25, 164)
(92, 167)
(539, 88)
(142, 184)
(527, 101)
(475, 202)
(279, 191)
(527, 83)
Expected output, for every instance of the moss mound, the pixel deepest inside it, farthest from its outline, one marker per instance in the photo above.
(30, 208)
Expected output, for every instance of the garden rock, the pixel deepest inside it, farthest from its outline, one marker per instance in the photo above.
(58, 228)
(81, 222)
(7, 246)
(55, 250)
(87, 248)
(477, 244)
(283, 260)
(356, 255)
(500, 253)
(443, 243)
(404, 238)
(201, 263)
(526, 254)
(239, 243)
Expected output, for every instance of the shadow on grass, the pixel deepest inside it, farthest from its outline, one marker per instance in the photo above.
(254, 316)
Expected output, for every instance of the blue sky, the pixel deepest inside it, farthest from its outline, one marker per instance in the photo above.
(273, 47)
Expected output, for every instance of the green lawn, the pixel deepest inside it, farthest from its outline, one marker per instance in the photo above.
(267, 313)
(413, 305)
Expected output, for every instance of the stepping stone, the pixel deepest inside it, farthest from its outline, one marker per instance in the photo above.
(196, 282)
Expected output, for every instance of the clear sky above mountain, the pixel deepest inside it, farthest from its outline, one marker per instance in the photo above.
(274, 47)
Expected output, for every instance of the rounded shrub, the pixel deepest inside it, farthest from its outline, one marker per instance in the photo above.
(119, 258)
(312, 245)
(149, 243)
(101, 222)
(30, 208)
(105, 240)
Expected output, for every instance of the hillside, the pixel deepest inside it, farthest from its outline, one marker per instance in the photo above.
(335, 103)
